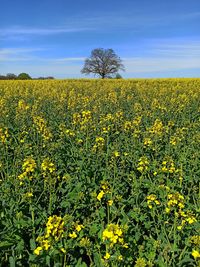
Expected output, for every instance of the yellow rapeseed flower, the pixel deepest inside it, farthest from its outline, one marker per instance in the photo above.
(37, 250)
(100, 195)
(47, 166)
(116, 154)
(195, 239)
(107, 256)
(120, 258)
(29, 194)
(195, 254)
(63, 250)
(110, 202)
(79, 227)
(73, 235)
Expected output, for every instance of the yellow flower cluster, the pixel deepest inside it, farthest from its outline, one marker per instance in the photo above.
(70, 132)
(147, 142)
(82, 119)
(195, 239)
(107, 256)
(3, 135)
(105, 129)
(185, 217)
(107, 118)
(178, 136)
(66, 131)
(196, 254)
(42, 128)
(47, 166)
(76, 118)
(22, 136)
(157, 127)
(54, 231)
(55, 227)
(128, 126)
(168, 166)
(28, 168)
(174, 140)
(22, 106)
(99, 144)
(176, 201)
(119, 115)
(114, 234)
(137, 120)
(86, 116)
(152, 199)
(143, 164)
(44, 244)
(105, 188)
(76, 228)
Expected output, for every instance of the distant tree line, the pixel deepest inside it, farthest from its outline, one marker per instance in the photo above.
(22, 76)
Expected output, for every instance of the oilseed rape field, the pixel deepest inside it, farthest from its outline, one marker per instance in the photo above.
(100, 173)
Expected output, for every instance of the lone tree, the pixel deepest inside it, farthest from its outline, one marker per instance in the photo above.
(24, 76)
(103, 62)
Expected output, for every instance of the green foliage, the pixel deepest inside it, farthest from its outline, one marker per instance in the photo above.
(23, 76)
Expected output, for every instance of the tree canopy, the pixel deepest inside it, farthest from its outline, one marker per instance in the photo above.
(103, 62)
(24, 76)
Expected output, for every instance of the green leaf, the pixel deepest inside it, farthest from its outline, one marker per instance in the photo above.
(80, 263)
(97, 259)
(102, 213)
(48, 260)
(94, 229)
(32, 244)
(5, 244)
(12, 261)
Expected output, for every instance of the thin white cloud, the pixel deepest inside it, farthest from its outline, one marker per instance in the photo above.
(20, 31)
(166, 55)
(177, 49)
(28, 54)
(69, 59)
(18, 54)
(133, 20)
(7, 51)
(151, 64)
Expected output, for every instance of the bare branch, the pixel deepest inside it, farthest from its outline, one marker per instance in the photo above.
(103, 62)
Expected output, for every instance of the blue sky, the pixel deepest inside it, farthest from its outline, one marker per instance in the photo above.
(154, 38)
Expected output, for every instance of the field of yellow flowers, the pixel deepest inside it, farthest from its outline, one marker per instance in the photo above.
(100, 173)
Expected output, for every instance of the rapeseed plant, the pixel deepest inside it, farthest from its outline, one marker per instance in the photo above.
(99, 173)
